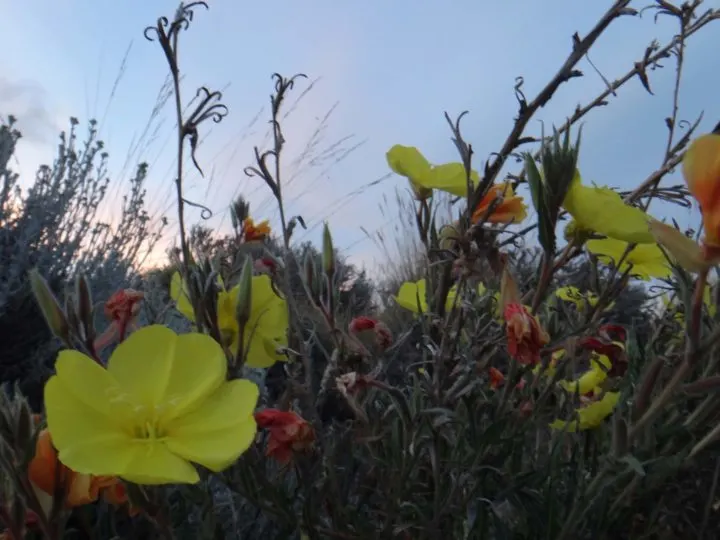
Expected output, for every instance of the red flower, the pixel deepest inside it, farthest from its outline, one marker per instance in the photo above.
(289, 433)
(525, 335)
(383, 336)
(360, 324)
(612, 332)
(607, 346)
(121, 309)
(266, 265)
(497, 379)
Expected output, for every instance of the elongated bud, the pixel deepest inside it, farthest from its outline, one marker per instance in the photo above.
(50, 307)
(84, 305)
(509, 291)
(309, 279)
(686, 252)
(244, 298)
(328, 252)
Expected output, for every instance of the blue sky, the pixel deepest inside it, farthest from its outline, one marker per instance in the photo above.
(388, 71)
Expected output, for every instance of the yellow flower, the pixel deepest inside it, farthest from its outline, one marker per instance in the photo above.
(599, 367)
(647, 260)
(552, 365)
(410, 294)
(602, 210)
(163, 402)
(266, 329)
(573, 294)
(591, 414)
(407, 161)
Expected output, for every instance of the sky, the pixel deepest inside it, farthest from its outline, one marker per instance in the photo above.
(382, 73)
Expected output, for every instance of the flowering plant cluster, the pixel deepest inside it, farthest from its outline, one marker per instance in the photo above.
(484, 399)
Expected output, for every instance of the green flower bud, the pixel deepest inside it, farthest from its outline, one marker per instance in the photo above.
(328, 252)
(244, 298)
(50, 307)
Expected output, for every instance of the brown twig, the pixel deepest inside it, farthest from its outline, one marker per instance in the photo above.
(566, 72)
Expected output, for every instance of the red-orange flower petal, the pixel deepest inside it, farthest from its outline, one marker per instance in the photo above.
(288, 432)
(255, 232)
(524, 334)
(511, 209)
(701, 169)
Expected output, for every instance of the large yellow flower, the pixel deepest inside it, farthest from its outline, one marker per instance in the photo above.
(599, 367)
(602, 210)
(407, 161)
(163, 402)
(591, 414)
(266, 329)
(647, 260)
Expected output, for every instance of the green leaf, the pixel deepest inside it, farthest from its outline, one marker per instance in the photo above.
(632, 462)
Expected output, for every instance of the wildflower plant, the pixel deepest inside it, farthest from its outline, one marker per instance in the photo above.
(502, 391)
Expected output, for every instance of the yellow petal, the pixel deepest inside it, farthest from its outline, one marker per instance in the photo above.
(408, 161)
(592, 415)
(684, 250)
(585, 383)
(603, 210)
(217, 433)
(563, 425)
(450, 177)
(647, 260)
(153, 464)
(179, 294)
(411, 296)
(227, 309)
(260, 353)
(163, 369)
(83, 434)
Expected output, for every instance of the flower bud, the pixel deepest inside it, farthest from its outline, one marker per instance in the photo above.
(328, 252)
(84, 306)
(244, 298)
(50, 307)
(309, 274)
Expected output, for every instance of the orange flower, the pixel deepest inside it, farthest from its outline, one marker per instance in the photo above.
(289, 433)
(496, 378)
(701, 169)
(510, 209)
(255, 233)
(121, 309)
(525, 335)
(45, 469)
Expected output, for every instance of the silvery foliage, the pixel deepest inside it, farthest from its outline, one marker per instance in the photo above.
(56, 227)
